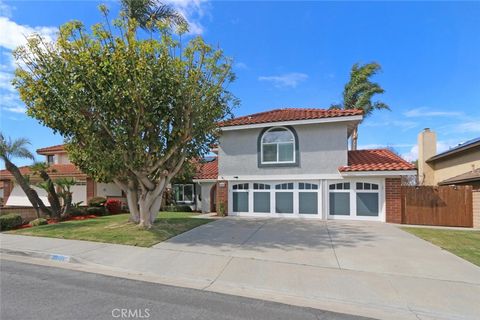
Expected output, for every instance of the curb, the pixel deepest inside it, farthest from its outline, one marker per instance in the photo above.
(43, 255)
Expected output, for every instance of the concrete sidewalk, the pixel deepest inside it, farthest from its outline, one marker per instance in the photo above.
(241, 268)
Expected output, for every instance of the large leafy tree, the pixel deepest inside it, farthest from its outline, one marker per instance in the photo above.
(131, 110)
(10, 149)
(359, 91)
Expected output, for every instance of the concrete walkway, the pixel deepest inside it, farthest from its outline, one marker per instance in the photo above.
(362, 268)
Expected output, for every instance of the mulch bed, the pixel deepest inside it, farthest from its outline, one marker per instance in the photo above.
(55, 221)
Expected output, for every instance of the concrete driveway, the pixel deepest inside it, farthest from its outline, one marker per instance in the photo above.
(360, 265)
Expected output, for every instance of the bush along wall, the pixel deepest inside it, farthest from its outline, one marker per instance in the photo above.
(10, 221)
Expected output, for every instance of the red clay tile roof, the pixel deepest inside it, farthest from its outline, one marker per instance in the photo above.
(55, 171)
(51, 149)
(289, 114)
(207, 170)
(375, 160)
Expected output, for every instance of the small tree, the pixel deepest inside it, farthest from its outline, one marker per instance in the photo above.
(359, 91)
(41, 169)
(131, 110)
(10, 149)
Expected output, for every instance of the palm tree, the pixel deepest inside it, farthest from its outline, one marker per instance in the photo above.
(359, 91)
(147, 12)
(10, 149)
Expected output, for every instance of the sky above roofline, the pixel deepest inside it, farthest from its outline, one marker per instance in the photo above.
(298, 54)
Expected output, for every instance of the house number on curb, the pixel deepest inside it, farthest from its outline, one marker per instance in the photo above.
(60, 258)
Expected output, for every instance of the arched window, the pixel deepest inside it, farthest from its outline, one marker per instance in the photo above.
(278, 146)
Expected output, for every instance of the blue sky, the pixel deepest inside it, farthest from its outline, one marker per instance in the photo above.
(298, 54)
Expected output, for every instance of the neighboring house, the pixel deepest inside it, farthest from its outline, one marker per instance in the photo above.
(60, 167)
(296, 163)
(458, 166)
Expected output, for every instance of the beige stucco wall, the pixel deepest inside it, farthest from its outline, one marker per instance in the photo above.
(456, 165)
(62, 158)
(476, 209)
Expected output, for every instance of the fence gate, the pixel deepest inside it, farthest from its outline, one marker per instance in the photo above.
(437, 206)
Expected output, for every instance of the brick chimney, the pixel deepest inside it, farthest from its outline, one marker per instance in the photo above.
(427, 148)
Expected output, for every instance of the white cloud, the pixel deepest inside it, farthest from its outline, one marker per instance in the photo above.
(404, 125)
(383, 146)
(285, 80)
(241, 66)
(193, 11)
(427, 112)
(442, 146)
(468, 127)
(6, 81)
(17, 109)
(14, 35)
(5, 10)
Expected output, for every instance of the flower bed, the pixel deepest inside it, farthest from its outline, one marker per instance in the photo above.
(55, 221)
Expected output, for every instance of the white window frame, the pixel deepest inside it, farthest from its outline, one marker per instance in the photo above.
(183, 193)
(277, 146)
(250, 196)
(353, 199)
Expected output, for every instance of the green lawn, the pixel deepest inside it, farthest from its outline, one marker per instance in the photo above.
(465, 244)
(117, 229)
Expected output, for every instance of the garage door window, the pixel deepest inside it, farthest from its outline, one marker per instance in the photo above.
(367, 199)
(307, 198)
(261, 198)
(240, 197)
(284, 198)
(339, 199)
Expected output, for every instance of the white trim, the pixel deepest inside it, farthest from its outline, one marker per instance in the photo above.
(204, 180)
(294, 142)
(378, 173)
(285, 177)
(292, 123)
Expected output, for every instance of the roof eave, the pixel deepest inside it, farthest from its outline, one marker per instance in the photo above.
(379, 173)
(356, 118)
(452, 152)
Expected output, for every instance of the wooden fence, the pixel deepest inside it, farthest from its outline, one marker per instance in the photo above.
(437, 206)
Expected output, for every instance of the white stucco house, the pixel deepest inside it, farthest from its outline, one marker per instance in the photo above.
(296, 163)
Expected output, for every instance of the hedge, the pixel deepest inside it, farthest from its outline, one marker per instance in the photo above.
(10, 221)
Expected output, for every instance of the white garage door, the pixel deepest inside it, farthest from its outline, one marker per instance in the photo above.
(18, 198)
(358, 200)
(283, 199)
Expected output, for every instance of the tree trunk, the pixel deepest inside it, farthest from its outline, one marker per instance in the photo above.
(53, 198)
(354, 138)
(31, 194)
(149, 203)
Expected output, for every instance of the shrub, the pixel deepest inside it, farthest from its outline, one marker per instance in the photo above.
(113, 206)
(38, 222)
(221, 209)
(97, 211)
(97, 202)
(76, 211)
(10, 221)
(177, 208)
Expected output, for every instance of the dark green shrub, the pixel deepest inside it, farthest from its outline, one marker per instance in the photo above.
(10, 221)
(38, 222)
(177, 208)
(97, 211)
(77, 211)
(97, 202)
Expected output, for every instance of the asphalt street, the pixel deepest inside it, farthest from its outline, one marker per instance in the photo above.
(37, 292)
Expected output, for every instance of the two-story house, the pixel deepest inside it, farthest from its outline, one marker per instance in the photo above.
(59, 167)
(296, 163)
